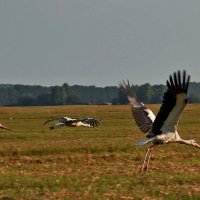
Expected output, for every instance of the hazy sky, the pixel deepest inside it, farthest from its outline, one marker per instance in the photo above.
(98, 42)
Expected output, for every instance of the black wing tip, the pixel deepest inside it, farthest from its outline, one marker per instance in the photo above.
(178, 82)
(126, 88)
(45, 123)
(51, 118)
(92, 121)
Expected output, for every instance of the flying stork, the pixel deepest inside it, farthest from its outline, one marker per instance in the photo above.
(161, 129)
(73, 122)
(4, 127)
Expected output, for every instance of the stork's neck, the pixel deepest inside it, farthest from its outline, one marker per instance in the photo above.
(182, 141)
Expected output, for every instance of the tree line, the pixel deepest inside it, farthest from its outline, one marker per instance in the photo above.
(26, 95)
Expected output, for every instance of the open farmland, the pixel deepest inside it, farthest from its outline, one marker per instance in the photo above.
(96, 163)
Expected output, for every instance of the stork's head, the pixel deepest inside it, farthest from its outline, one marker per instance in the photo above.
(194, 143)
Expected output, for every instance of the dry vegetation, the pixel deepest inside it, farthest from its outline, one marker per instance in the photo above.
(100, 163)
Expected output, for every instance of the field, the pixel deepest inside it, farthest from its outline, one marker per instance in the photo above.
(99, 163)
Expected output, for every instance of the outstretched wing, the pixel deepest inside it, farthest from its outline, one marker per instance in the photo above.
(143, 116)
(63, 120)
(174, 101)
(91, 121)
(52, 119)
(59, 125)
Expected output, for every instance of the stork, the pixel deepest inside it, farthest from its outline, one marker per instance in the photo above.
(4, 127)
(161, 129)
(73, 122)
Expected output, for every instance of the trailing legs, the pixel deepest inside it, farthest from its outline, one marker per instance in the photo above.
(145, 164)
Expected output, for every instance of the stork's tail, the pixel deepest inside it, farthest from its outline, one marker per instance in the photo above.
(144, 141)
(59, 125)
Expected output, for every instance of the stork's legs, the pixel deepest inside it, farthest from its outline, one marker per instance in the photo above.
(143, 168)
(145, 164)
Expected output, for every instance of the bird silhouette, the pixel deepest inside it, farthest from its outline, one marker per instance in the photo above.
(161, 129)
(73, 122)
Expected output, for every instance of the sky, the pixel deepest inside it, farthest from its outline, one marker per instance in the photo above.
(98, 42)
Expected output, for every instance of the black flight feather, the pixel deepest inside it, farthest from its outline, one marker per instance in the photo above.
(175, 86)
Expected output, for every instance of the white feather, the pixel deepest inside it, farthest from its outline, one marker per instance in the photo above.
(150, 114)
(171, 122)
(144, 141)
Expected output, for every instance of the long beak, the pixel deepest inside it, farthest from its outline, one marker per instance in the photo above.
(198, 146)
(4, 127)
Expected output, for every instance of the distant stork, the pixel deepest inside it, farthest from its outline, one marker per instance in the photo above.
(4, 127)
(161, 129)
(73, 122)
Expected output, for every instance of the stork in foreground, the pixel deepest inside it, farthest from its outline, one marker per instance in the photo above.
(161, 129)
(73, 122)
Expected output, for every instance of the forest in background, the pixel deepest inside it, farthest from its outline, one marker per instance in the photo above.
(32, 95)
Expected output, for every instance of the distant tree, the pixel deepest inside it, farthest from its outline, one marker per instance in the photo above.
(94, 95)
(110, 93)
(78, 94)
(122, 98)
(11, 94)
(193, 99)
(58, 95)
(26, 101)
(157, 94)
(115, 101)
(73, 100)
(4, 96)
(145, 93)
(43, 99)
